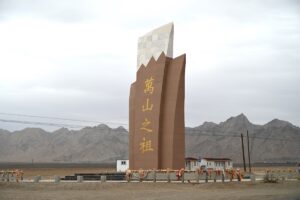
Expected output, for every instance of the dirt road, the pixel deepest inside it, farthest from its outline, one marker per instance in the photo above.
(289, 190)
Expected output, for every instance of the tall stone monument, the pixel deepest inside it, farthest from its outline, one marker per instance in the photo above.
(156, 104)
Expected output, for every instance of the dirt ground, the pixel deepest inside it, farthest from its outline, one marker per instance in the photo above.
(288, 190)
(284, 190)
(49, 173)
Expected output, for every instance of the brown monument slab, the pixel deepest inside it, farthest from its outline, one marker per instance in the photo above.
(156, 115)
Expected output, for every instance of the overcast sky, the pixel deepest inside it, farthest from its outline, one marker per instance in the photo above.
(77, 58)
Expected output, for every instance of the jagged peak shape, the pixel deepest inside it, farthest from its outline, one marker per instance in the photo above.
(102, 126)
(154, 42)
(162, 58)
(277, 123)
(239, 118)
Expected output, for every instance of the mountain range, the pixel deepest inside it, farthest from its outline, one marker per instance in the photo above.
(276, 141)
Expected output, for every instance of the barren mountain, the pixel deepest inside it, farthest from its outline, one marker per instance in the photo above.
(276, 141)
(90, 144)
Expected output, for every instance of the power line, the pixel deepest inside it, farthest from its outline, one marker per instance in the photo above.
(42, 123)
(236, 134)
(226, 134)
(59, 118)
(231, 135)
(45, 124)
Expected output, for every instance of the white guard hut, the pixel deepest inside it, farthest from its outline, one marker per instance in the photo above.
(122, 165)
(208, 163)
(192, 163)
(216, 163)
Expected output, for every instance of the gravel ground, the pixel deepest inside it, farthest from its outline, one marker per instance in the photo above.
(288, 190)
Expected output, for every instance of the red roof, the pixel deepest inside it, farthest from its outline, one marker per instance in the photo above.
(217, 159)
(190, 158)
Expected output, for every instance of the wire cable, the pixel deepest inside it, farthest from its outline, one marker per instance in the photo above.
(42, 123)
(59, 118)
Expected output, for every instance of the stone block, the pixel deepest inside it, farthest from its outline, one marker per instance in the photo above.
(253, 178)
(37, 179)
(103, 178)
(79, 179)
(56, 179)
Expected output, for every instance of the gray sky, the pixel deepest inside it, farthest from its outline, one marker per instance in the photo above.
(77, 59)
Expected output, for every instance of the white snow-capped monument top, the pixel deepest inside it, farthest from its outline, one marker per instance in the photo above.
(154, 43)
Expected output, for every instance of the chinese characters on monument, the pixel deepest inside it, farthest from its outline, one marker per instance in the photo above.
(146, 144)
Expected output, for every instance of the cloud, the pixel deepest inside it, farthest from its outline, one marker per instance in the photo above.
(77, 58)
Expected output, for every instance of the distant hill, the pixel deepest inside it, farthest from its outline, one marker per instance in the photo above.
(276, 141)
(90, 144)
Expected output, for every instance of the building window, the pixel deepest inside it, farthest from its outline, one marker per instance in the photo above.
(123, 162)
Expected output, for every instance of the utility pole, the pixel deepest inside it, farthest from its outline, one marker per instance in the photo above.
(248, 152)
(242, 138)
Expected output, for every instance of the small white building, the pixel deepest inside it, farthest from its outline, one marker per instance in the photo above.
(208, 163)
(192, 163)
(122, 165)
(216, 163)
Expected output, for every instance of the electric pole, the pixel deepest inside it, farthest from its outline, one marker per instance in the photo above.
(248, 151)
(242, 138)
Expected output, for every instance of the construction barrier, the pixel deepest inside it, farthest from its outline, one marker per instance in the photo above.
(184, 175)
(8, 175)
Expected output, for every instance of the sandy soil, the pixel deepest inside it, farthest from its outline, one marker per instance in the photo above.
(49, 173)
(289, 190)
